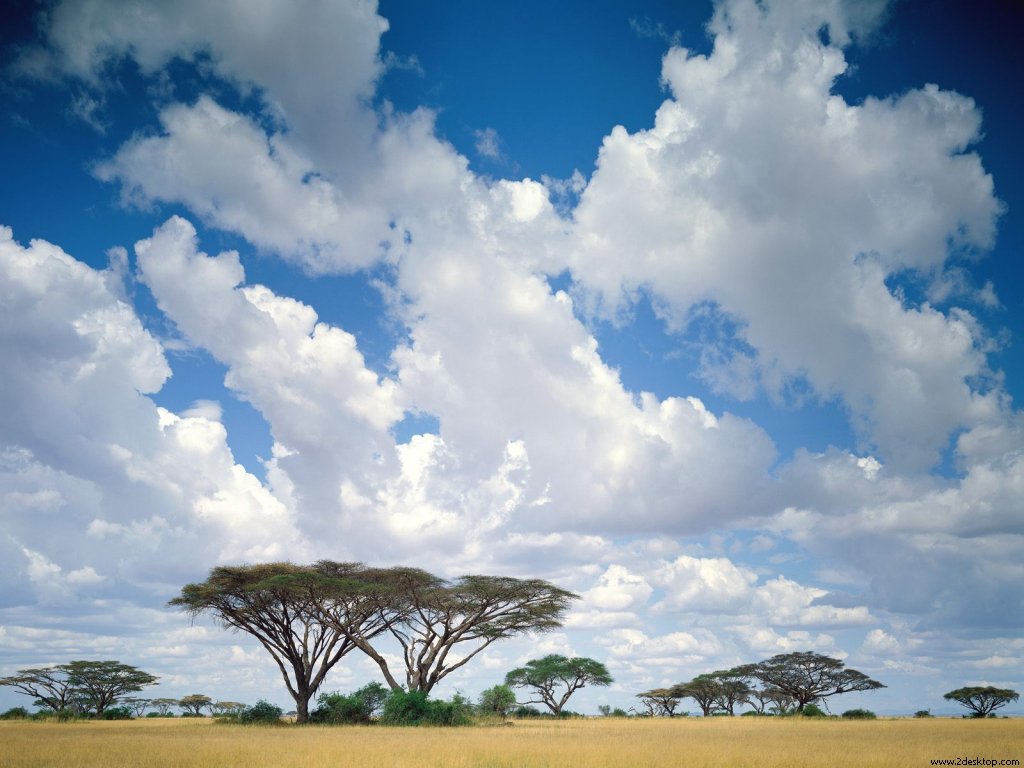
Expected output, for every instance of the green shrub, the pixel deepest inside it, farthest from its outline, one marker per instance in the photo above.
(15, 713)
(358, 707)
(191, 714)
(116, 713)
(859, 714)
(260, 713)
(923, 713)
(813, 710)
(414, 708)
(524, 710)
(498, 700)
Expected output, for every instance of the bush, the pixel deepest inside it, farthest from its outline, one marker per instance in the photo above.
(15, 713)
(191, 714)
(859, 714)
(524, 710)
(116, 713)
(358, 707)
(414, 708)
(260, 713)
(752, 713)
(923, 713)
(813, 710)
(497, 701)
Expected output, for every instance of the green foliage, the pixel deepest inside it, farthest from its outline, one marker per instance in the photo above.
(813, 710)
(856, 714)
(414, 708)
(498, 700)
(194, 704)
(982, 700)
(260, 713)
(549, 675)
(15, 713)
(525, 711)
(359, 707)
(806, 677)
(160, 714)
(752, 713)
(117, 713)
(923, 713)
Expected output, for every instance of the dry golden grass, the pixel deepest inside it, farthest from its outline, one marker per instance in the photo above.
(597, 743)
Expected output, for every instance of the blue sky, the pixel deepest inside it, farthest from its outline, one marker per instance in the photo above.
(708, 312)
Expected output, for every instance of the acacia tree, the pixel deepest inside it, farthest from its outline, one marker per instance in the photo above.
(429, 617)
(163, 705)
(102, 683)
(732, 690)
(660, 701)
(548, 675)
(703, 689)
(807, 677)
(227, 707)
(137, 706)
(282, 606)
(48, 686)
(982, 701)
(195, 703)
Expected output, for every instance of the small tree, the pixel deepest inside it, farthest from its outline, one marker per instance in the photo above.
(555, 678)
(163, 705)
(102, 683)
(137, 706)
(227, 708)
(659, 701)
(808, 677)
(195, 703)
(498, 700)
(982, 701)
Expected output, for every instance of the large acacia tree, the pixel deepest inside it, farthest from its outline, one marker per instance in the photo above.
(807, 677)
(982, 700)
(429, 618)
(282, 605)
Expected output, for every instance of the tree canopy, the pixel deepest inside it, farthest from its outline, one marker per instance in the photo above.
(807, 677)
(555, 678)
(93, 685)
(429, 617)
(659, 701)
(281, 605)
(48, 686)
(309, 617)
(982, 701)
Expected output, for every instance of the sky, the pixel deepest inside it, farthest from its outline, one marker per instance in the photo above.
(709, 312)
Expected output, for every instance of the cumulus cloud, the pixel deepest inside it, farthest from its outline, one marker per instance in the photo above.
(96, 477)
(765, 196)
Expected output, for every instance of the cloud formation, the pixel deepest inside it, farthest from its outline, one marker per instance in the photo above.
(760, 203)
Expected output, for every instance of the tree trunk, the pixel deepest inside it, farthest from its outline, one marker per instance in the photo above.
(302, 706)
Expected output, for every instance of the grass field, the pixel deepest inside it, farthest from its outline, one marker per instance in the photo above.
(597, 743)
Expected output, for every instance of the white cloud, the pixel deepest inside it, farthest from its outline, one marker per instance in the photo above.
(761, 194)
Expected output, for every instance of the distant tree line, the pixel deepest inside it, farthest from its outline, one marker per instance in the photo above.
(786, 682)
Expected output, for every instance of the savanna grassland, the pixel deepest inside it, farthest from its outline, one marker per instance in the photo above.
(596, 743)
